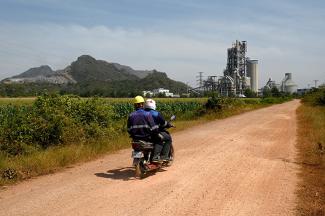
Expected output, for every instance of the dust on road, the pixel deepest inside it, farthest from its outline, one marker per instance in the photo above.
(236, 166)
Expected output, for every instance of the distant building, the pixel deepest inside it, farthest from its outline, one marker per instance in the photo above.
(252, 74)
(302, 91)
(147, 93)
(271, 84)
(157, 92)
(287, 85)
(162, 91)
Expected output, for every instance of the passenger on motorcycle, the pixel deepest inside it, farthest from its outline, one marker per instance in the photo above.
(162, 147)
(141, 125)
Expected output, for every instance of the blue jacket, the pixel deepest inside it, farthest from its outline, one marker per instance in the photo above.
(141, 125)
(158, 118)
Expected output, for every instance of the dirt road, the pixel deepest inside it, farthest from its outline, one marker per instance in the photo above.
(237, 166)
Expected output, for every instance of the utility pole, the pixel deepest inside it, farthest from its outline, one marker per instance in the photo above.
(315, 83)
(200, 79)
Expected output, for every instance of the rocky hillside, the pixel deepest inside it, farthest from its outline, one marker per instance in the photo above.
(42, 74)
(87, 76)
(84, 69)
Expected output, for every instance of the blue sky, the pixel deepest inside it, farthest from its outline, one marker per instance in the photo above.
(180, 38)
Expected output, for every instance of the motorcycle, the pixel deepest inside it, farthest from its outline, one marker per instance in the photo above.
(142, 156)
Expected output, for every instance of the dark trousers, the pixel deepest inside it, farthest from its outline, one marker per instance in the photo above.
(162, 147)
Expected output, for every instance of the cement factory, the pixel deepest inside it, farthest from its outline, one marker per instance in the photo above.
(287, 85)
(241, 73)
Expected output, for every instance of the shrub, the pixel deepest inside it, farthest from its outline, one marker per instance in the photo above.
(275, 100)
(220, 103)
(315, 97)
(15, 128)
(50, 121)
(61, 120)
(249, 93)
(320, 97)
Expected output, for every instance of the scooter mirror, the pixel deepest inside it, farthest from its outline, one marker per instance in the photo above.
(172, 118)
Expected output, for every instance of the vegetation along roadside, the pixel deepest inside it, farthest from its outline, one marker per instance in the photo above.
(311, 154)
(56, 131)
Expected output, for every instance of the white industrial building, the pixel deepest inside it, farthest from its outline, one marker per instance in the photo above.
(287, 85)
(252, 74)
(159, 91)
(147, 93)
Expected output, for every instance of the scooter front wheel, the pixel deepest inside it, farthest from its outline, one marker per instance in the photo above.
(171, 156)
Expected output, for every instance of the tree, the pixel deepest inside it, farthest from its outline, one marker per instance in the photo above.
(267, 92)
(275, 92)
(161, 95)
(322, 86)
(249, 93)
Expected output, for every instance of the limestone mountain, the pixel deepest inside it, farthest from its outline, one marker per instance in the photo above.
(42, 74)
(87, 76)
(84, 69)
(43, 70)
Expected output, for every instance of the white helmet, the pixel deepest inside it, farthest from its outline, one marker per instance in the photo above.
(150, 104)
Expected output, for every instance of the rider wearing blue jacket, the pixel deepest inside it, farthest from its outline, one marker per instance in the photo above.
(140, 124)
(162, 147)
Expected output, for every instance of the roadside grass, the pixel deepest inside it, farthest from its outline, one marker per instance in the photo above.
(59, 157)
(311, 157)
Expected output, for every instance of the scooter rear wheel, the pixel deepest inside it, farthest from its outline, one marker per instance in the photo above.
(139, 170)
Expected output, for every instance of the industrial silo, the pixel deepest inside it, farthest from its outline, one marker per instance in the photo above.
(252, 72)
(288, 85)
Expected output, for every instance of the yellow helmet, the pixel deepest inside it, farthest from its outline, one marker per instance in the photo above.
(138, 99)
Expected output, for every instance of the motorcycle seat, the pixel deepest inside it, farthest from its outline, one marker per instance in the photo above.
(142, 145)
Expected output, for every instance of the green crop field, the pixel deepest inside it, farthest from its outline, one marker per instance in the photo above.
(30, 100)
(29, 124)
(17, 101)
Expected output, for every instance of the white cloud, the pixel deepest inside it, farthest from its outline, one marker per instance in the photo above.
(25, 46)
(180, 54)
